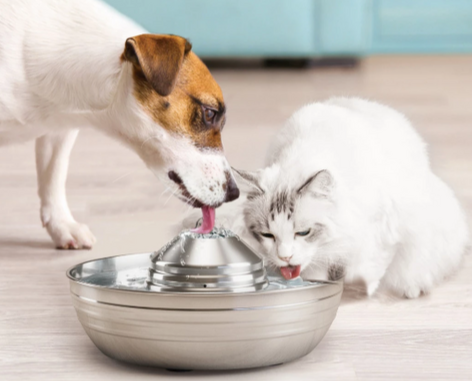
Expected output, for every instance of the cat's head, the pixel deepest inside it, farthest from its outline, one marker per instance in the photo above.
(291, 219)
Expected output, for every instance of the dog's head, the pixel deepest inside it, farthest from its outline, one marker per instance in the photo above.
(181, 114)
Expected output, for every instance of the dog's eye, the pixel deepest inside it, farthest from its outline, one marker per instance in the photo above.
(303, 233)
(209, 115)
(268, 235)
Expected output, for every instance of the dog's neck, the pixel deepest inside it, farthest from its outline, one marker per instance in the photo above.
(121, 109)
(92, 67)
(77, 69)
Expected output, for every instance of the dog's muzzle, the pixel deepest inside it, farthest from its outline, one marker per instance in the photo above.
(230, 188)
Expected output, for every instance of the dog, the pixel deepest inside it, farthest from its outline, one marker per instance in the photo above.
(69, 64)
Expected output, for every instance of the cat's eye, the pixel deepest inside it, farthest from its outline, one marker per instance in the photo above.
(303, 233)
(268, 235)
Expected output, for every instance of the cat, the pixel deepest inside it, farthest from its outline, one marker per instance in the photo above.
(348, 191)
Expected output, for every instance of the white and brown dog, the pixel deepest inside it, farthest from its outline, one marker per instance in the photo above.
(68, 64)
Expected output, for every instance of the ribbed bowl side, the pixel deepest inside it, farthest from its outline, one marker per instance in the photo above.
(207, 339)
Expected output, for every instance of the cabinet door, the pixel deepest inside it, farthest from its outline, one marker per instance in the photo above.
(343, 27)
(422, 26)
(252, 28)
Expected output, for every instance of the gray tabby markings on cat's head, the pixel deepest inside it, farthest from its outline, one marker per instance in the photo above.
(282, 202)
(260, 209)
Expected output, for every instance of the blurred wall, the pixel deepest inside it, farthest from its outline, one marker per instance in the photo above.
(309, 28)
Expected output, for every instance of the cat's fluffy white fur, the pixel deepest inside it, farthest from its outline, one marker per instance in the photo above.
(356, 175)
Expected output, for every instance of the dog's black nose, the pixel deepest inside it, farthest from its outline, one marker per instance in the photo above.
(232, 190)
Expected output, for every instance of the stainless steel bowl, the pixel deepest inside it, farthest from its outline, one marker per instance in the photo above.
(132, 319)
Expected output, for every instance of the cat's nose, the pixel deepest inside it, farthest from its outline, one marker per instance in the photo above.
(286, 259)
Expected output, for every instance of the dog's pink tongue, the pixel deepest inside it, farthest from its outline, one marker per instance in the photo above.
(208, 222)
(290, 272)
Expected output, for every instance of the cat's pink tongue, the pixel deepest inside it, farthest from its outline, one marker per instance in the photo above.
(208, 222)
(290, 272)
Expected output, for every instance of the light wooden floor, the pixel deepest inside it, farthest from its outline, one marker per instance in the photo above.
(110, 189)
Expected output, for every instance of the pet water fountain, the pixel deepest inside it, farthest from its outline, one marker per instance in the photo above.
(203, 301)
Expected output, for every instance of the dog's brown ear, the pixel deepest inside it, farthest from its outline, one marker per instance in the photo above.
(159, 57)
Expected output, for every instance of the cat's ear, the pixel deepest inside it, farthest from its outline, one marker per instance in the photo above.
(320, 184)
(248, 182)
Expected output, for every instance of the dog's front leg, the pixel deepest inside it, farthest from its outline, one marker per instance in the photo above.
(52, 162)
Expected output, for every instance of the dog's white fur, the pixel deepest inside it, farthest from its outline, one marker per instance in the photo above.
(387, 218)
(60, 70)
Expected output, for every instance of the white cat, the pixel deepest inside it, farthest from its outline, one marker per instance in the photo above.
(348, 190)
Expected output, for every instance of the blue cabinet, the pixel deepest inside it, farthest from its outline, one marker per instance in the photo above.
(231, 28)
(342, 27)
(416, 26)
(308, 28)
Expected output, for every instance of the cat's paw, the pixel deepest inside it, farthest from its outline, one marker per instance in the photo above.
(372, 288)
(70, 234)
(412, 292)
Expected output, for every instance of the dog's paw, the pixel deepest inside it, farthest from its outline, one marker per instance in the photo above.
(69, 235)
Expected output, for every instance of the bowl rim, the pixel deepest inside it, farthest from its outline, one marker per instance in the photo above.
(319, 283)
